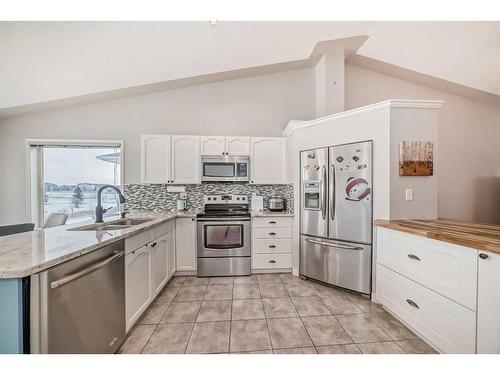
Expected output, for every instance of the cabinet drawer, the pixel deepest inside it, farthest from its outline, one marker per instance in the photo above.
(448, 269)
(272, 222)
(269, 261)
(449, 326)
(271, 246)
(138, 240)
(272, 233)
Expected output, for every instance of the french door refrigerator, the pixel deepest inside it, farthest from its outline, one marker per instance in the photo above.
(336, 215)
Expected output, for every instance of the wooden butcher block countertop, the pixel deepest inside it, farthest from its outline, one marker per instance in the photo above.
(478, 236)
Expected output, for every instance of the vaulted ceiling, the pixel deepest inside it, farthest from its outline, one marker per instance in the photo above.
(50, 61)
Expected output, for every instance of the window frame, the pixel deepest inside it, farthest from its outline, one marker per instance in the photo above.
(34, 169)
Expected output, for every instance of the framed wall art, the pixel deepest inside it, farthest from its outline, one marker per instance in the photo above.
(415, 158)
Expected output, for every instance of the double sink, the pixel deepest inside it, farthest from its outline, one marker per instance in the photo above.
(112, 225)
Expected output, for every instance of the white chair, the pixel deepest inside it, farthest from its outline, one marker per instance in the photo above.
(55, 219)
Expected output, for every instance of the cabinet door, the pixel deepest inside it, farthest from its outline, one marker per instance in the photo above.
(212, 145)
(185, 240)
(238, 145)
(159, 256)
(155, 159)
(268, 160)
(138, 284)
(185, 167)
(171, 250)
(488, 303)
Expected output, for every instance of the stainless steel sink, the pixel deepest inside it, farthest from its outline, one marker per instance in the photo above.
(113, 225)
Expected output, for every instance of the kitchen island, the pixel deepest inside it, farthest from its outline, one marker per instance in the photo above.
(25, 255)
(441, 278)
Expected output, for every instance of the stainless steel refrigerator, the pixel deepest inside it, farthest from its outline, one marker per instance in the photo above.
(336, 215)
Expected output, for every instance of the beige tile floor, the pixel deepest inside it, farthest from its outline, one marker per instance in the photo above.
(269, 313)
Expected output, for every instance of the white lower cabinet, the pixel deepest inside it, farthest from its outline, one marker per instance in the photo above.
(138, 284)
(171, 256)
(447, 293)
(271, 243)
(185, 240)
(147, 268)
(159, 257)
(449, 326)
(488, 303)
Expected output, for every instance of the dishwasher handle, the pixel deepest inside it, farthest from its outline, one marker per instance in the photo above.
(73, 276)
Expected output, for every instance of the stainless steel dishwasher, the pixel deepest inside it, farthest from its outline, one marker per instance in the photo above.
(79, 306)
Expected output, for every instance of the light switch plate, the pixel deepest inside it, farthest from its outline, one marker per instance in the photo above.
(409, 194)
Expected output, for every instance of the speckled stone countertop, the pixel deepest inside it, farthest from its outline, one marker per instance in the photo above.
(271, 213)
(28, 253)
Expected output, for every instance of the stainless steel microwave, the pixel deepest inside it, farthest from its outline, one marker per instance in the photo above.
(225, 168)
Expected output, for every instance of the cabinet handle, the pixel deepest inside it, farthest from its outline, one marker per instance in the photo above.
(412, 256)
(272, 261)
(154, 244)
(272, 222)
(411, 303)
(272, 246)
(272, 234)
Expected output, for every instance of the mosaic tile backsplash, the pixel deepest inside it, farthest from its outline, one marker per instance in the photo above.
(156, 197)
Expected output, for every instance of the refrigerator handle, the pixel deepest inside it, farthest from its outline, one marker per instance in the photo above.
(332, 193)
(324, 193)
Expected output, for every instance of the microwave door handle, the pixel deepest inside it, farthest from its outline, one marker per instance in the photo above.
(323, 193)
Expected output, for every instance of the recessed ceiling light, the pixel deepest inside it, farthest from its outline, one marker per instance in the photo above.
(213, 23)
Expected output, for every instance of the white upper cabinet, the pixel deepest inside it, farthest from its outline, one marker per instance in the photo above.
(212, 145)
(155, 159)
(268, 155)
(238, 146)
(185, 162)
(488, 303)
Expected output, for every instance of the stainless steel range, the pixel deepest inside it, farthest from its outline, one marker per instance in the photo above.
(223, 243)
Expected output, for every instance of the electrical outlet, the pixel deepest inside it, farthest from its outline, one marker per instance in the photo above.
(183, 196)
(409, 194)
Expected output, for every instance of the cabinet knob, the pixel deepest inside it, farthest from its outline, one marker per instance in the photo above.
(272, 261)
(483, 256)
(272, 234)
(154, 244)
(414, 257)
(272, 246)
(272, 222)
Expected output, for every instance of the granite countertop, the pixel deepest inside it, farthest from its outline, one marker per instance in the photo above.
(28, 253)
(271, 213)
(477, 236)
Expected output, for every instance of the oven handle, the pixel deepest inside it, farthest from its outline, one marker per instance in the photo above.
(332, 244)
(94, 267)
(223, 220)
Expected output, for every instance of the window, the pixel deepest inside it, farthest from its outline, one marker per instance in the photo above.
(65, 178)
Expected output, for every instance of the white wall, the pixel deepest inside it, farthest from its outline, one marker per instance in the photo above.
(468, 162)
(260, 105)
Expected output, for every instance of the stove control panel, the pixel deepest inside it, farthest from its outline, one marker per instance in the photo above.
(225, 198)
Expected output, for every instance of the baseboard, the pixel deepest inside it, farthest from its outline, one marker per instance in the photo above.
(186, 273)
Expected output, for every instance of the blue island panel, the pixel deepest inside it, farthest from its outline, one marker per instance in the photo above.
(11, 316)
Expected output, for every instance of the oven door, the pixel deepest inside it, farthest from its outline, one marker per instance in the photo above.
(216, 169)
(223, 237)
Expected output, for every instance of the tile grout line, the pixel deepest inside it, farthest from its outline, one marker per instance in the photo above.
(195, 319)
(156, 327)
